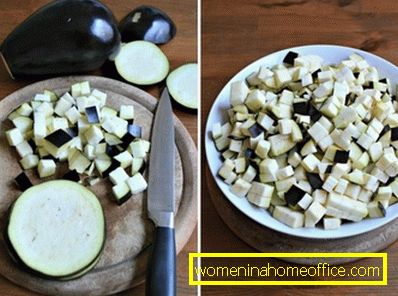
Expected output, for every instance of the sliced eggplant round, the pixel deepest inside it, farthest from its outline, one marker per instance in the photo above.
(57, 228)
(63, 37)
(147, 23)
(183, 85)
(142, 63)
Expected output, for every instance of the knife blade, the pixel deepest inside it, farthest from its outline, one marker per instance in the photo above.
(161, 277)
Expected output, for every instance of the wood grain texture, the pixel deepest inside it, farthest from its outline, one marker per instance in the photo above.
(182, 49)
(237, 32)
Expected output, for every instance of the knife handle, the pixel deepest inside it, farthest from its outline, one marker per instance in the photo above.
(161, 277)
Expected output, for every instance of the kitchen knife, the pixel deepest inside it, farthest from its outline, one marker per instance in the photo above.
(161, 277)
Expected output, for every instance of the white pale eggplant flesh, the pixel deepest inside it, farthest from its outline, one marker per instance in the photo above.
(182, 84)
(57, 235)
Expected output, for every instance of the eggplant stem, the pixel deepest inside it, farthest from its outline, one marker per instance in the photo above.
(6, 66)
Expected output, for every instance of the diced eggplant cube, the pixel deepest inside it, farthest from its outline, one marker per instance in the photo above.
(305, 202)
(107, 112)
(341, 156)
(124, 158)
(216, 130)
(314, 113)
(249, 153)
(288, 216)
(114, 164)
(89, 151)
(14, 137)
(137, 165)
(294, 195)
(255, 100)
(73, 131)
(29, 161)
(134, 130)
(46, 108)
(90, 171)
(112, 151)
(314, 214)
(118, 176)
(239, 91)
(72, 176)
(121, 192)
(39, 127)
(85, 88)
(330, 183)
(235, 145)
(24, 124)
(23, 181)
(76, 90)
(241, 187)
(100, 96)
(58, 138)
(82, 124)
(72, 115)
(127, 140)
(103, 164)
(46, 168)
(94, 135)
(255, 130)
(42, 98)
(127, 112)
(376, 209)
(315, 74)
(115, 125)
(58, 123)
(289, 58)
(62, 106)
(137, 183)
(25, 109)
(137, 149)
(314, 180)
(79, 162)
(12, 115)
(24, 149)
(331, 223)
(146, 144)
(100, 151)
(112, 140)
(385, 129)
(262, 149)
(394, 134)
(382, 208)
(66, 96)
(300, 108)
(92, 114)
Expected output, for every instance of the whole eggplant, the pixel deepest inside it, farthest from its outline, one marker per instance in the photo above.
(63, 37)
(147, 23)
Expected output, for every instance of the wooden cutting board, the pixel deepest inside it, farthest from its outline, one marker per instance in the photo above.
(267, 240)
(129, 231)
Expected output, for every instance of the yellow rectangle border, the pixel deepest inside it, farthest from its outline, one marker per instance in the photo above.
(383, 282)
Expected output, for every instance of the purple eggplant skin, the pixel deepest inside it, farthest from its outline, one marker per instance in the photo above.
(62, 37)
(147, 23)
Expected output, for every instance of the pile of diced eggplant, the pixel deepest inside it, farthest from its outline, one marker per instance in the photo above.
(78, 128)
(315, 144)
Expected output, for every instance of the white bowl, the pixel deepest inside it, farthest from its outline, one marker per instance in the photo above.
(331, 54)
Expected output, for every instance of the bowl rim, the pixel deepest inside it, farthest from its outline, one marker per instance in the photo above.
(308, 233)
